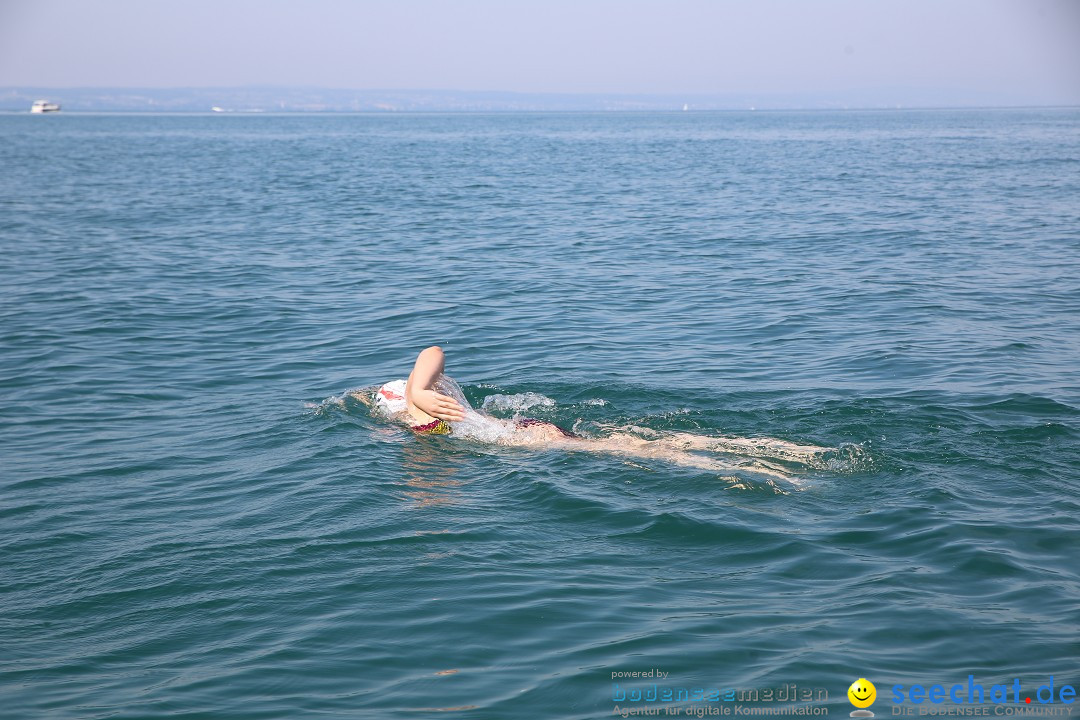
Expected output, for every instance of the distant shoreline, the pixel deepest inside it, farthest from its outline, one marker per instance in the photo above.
(320, 101)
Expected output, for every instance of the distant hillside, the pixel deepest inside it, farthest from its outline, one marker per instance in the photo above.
(272, 99)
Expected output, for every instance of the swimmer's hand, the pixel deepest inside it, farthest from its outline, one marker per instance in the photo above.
(438, 405)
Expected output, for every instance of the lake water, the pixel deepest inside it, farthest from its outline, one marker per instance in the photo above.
(198, 520)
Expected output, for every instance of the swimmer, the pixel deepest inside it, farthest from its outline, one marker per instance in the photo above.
(431, 403)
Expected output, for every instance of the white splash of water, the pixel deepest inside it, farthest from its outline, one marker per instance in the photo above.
(481, 427)
(475, 426)
(517, 403)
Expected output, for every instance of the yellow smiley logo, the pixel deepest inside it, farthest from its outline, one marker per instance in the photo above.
(862, 693)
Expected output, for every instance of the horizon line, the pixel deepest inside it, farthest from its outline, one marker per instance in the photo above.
(854, 108)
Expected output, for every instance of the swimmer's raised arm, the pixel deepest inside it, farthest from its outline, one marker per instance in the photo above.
(420, 392)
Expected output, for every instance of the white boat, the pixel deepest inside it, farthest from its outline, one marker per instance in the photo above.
(43, 106)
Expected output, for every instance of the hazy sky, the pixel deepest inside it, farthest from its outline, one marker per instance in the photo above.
(1025, 50)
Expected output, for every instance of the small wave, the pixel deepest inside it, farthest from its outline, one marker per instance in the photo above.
(517, 403)
(334, 402)
(848, 458)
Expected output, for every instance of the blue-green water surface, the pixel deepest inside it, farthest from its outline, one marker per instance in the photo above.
(198, 522)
